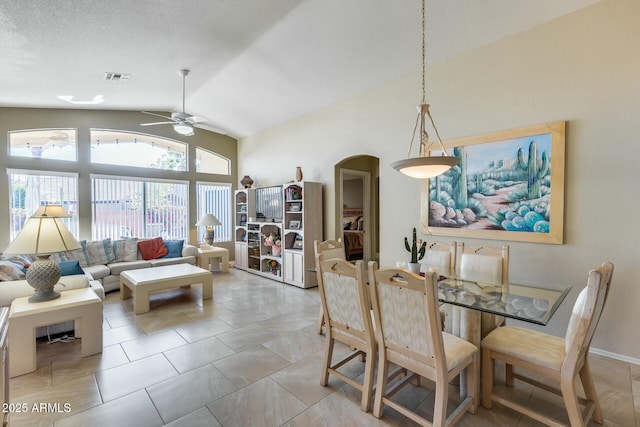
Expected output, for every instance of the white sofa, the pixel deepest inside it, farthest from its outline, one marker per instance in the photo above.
(109, 274)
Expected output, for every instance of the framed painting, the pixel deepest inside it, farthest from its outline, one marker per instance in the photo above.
(508, 185)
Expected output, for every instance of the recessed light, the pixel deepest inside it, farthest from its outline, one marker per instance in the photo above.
(98, 99)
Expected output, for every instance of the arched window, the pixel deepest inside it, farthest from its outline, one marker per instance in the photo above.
(140, 150)
(54, 144)
(210, 162)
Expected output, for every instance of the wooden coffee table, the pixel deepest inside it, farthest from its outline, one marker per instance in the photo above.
(146, 280)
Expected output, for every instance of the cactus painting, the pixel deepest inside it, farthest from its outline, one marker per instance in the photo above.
(508, 185)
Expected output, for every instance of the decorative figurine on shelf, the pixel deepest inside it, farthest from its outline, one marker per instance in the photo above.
(298, 174)
(246, 181)
(273, 241)
(416, 254)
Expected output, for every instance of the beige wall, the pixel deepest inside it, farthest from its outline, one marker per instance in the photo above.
(583, 68)
(83, 120)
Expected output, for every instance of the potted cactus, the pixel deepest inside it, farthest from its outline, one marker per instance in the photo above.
(417, 253)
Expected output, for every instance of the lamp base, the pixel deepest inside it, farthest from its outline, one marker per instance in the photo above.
(42, 275)
(208, 237)
(45, 295)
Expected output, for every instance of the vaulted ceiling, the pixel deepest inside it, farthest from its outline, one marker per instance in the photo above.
(254, 63)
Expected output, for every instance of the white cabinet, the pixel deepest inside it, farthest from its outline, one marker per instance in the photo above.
(241, 255)
(292, 213)
(294, 268)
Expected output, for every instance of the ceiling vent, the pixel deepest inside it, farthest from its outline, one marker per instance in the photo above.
(116, 77)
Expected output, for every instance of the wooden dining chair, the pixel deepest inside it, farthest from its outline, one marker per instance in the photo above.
(551, 357)
(441, 258)
(486, 264)
(409, 335)
(328, 249)
(345, 303)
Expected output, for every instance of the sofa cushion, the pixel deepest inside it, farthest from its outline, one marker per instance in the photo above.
(69, 268)
(125, 250)
(79, 254)
(97, 272)
(152, 248)
(174, 248)
(99, 251)
(118, 267)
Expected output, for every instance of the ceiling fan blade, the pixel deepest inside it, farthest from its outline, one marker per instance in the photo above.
(211, 128)
(157, 123)
(157, 115)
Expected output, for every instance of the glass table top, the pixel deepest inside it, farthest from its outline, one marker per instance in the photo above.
(526, 303)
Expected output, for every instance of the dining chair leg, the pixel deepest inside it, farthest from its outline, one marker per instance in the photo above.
(508, 369)
(590, 390)
(320, 321)
(570, 399)
(381, 385)
(367, 383)
(487, 378)
(473, 379)
(326, 363)
(440, 404)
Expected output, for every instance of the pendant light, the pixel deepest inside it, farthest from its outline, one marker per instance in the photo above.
(425, 166)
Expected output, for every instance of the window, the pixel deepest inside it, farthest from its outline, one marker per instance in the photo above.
(56, 144)
(137, 149)
(210, 162)
(30, 189)
(129, 207)
(215, 199)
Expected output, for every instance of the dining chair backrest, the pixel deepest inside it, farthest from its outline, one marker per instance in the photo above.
(405, 307)
(329, 248)
(439, 257)
(483, 264)
(587, 311)
(344, 296)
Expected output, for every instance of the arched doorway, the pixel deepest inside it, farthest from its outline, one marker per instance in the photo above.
(357, 206)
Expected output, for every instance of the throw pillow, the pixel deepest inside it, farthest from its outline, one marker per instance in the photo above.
(79, 254)
(99, 252)
(174, 248)
(10, 271)
(152, 248)
(125, 250)
(69, 268)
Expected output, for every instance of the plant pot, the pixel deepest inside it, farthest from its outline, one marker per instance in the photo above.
(414, 267)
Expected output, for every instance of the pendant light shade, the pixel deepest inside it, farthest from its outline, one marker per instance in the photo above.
(425, 166)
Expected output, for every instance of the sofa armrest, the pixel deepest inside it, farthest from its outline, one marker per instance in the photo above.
(189, 250)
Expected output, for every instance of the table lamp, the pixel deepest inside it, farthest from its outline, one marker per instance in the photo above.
(208, 221)
(43, 234)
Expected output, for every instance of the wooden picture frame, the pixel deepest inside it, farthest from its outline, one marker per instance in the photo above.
(513, 187)
(294, 224)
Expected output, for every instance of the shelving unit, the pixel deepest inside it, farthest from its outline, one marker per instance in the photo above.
(298, 223)
(303, 224)
(243, 211)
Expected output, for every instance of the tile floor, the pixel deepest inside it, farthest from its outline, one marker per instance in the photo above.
(250, 357)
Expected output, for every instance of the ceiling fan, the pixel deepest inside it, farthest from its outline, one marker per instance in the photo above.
(182, 122)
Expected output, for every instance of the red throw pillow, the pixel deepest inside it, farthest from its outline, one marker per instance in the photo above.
(152, 248)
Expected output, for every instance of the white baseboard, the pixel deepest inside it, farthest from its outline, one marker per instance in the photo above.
(616, 356)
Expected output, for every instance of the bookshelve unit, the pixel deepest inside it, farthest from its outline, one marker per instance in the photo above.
(297, 223)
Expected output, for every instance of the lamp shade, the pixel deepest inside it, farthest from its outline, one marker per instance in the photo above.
(425, 167)
(209, 220)
(42, 235)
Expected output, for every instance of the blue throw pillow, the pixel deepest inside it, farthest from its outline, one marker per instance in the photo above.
(69, 268)
(174, 247)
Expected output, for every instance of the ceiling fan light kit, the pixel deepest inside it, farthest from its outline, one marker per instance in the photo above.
(183, 123)
(425, 166)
